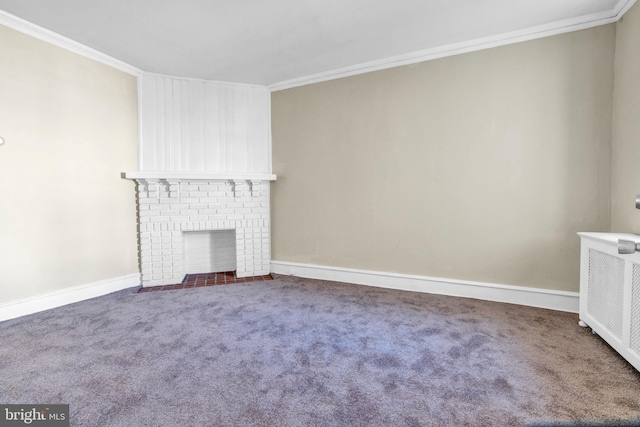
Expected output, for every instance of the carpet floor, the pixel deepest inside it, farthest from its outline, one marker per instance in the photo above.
(300, 352)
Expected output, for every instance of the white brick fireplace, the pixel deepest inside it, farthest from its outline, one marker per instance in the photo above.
(173, 205)
(204, 161)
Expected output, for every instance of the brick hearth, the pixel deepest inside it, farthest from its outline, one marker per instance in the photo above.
(207, 279)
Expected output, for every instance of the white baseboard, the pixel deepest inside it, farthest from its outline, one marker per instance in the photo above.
(35, 304)
(534, 297)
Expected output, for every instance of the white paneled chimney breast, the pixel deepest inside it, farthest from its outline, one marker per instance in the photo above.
(204, 179)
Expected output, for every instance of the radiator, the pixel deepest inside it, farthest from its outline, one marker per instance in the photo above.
(610, 292)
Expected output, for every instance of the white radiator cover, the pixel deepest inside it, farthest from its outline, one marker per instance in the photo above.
(610, 292)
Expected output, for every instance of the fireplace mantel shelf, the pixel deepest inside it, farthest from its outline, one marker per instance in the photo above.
(235, 176)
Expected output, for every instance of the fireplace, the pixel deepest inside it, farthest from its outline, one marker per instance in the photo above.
(204, 160)
(193, 222)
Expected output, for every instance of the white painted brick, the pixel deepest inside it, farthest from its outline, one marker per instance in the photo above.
(157, 207)
(197, 205)
(189, 200)
(208, 200)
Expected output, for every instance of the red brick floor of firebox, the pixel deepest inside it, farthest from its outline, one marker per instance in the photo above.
(207, 279)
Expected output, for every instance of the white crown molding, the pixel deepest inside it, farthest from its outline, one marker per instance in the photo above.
(560, 27)
(532, 33)
(56, 39)
(533, 297)
(623, 7)
(35, 304)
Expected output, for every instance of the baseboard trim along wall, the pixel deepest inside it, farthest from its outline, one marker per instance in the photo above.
(35, 304)
(533, 297)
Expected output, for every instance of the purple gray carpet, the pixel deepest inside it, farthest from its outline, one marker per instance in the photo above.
(299, 352)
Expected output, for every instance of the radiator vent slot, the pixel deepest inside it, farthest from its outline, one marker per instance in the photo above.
(606, 289)
(635, 309)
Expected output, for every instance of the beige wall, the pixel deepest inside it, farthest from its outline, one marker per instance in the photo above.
(625, 176)
(70, 125)
(481, 166)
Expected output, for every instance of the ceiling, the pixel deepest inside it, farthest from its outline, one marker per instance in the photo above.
(278, 41)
